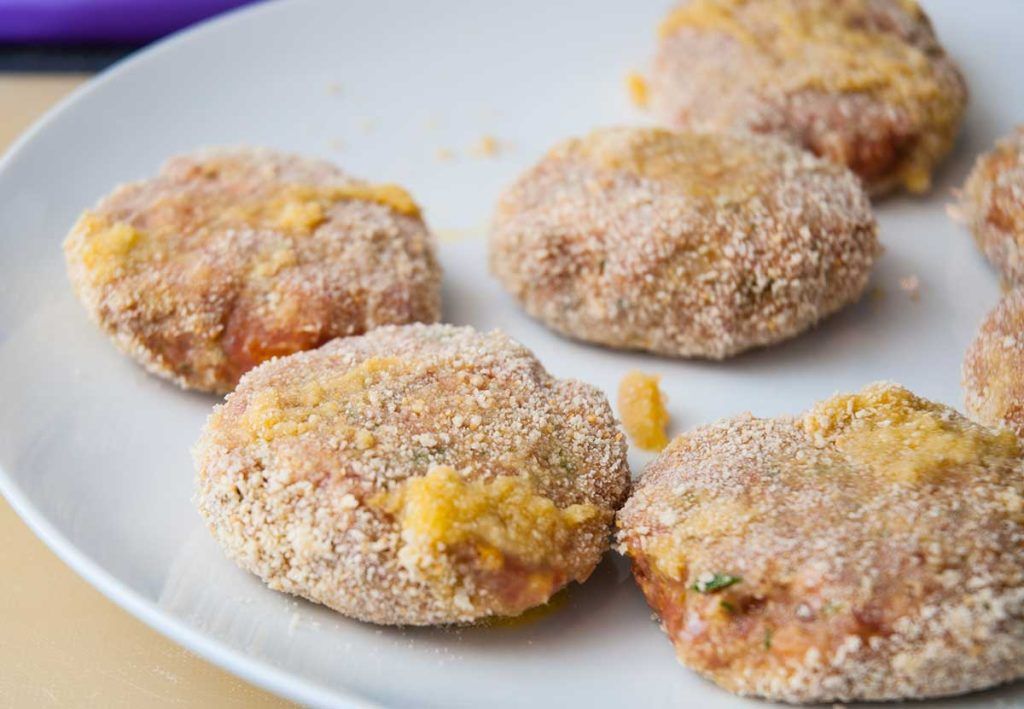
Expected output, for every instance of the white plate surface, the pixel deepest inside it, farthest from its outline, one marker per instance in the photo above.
(94, 453)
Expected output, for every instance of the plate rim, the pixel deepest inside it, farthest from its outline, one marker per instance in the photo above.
(259, 672)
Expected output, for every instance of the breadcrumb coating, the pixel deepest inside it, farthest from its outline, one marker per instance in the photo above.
(686, 244)
(231, 256)
(871, 549)
(861, 82)
(993, 370)
(414, 475)
(992, 205)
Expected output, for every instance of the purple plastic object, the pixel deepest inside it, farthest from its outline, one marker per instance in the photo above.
(101, 20)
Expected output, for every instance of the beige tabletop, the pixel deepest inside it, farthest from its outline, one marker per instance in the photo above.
(62, 643)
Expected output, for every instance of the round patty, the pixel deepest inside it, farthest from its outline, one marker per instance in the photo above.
(993, 371)
(861, 82)
(415, 475)
(868, 550)
(992, 204)
(231, 256)
(687, 244)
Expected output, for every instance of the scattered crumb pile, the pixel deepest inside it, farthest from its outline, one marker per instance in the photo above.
(642, 408)
(636, 84)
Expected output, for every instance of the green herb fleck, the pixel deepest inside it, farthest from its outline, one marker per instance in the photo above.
(714, 582)
(727, 607)
(832, 607)
(768, 633)
(565, 462)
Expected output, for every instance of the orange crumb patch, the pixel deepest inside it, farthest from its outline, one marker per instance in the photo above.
(636, 84)
(270, 264)
(826, 48)
(725, 168)
(503, 516)
(301, 216)
(642, 408)
(105, 246)
(300, 209)
(303, 206)
(271, 415)
(902, 437)
(872, 60)
(705, 15)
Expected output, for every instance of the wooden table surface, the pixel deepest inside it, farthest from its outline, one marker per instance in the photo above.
(62, 643)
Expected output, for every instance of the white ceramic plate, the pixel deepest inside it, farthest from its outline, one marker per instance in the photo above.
(94, 453)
